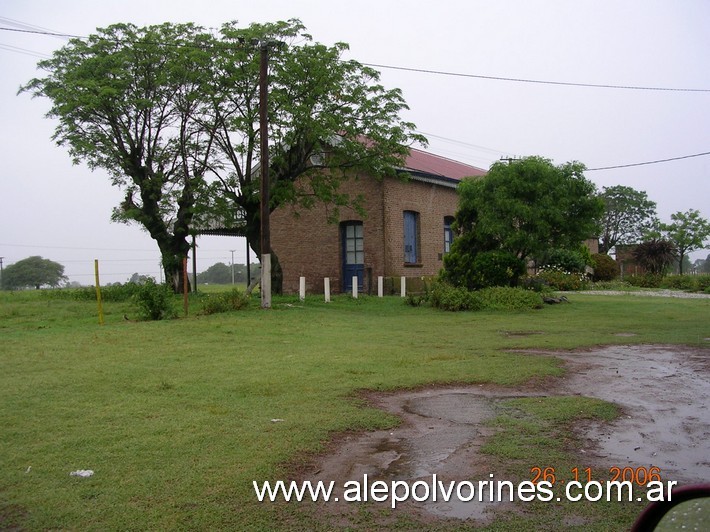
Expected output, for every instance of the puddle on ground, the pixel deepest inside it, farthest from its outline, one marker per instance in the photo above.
(664, 392)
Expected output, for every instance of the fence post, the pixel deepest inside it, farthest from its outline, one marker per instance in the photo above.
(380, 286)
(403, 286)
(302, 288)
(326, 289)
(354, 286)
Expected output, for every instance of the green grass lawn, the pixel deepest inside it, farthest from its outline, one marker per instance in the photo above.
(175, 416)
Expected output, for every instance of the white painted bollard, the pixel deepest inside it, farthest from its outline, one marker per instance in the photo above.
(355, 286)
(380, 286)
(403, 286)
(326, 289)
(302, 288)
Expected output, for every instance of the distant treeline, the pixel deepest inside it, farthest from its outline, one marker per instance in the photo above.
(221, 273)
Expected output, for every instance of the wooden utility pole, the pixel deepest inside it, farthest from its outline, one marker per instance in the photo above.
(264, 137)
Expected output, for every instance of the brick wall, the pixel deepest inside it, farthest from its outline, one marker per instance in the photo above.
(307, 245)
(433, 203)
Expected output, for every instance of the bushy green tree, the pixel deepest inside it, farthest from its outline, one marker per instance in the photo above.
(688, 232)
(524, 209)
(33, 271)
(569, 260)
(131, 101)
(628, 215)
(605, 267)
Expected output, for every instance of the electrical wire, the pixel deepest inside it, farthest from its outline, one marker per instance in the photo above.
(538, 81)
(28, 28)
(430, 71)
(25, 51)
(649, 162)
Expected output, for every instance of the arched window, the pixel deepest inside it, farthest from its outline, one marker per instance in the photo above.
(411, 237)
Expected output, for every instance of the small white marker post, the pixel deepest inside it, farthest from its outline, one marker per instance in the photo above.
(403, 286)
(302, 288)
(355, 286)
(326, 289)
(380, 286)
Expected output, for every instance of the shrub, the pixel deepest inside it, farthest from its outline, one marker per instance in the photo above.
(692, 283)
(509, 298)
(605, 268)
(566, 260)
(496, 268)
(558, 279)
(224, 302)
(611, 285)
(463, 267)
(155, 301)
(703, 283)
(647, 280)
(119, 292)
(679, 282)
(112, 292)
(447, 297)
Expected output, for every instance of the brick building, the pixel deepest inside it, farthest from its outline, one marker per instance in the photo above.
(405, 230)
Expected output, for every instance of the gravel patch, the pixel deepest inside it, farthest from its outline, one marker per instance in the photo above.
(643, 293)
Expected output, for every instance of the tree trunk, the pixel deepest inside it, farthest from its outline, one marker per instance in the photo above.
(253, 235)
(276, 271)
(173, 251)
(277, 276)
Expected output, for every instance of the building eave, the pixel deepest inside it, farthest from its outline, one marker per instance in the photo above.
(432, 179)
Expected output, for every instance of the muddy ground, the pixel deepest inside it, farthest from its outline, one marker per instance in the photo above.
(663, 391)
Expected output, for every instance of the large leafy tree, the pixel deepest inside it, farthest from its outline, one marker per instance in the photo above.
(523, 209)
(129, 101)
(628, 215)
(33, 271)
(329, 119)
(688, 231)
(172, 113)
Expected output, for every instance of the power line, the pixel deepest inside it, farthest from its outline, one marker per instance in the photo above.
(25, 51)
(27, 28)
(538, 81)
(430, 71)
(74, 248)
(657, 161)
(649, 162)
(461, 142)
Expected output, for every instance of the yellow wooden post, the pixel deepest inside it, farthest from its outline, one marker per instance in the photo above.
(98, 292)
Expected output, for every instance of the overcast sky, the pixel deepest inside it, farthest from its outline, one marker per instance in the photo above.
(51, 208)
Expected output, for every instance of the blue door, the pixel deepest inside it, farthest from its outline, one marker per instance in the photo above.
(353, 254)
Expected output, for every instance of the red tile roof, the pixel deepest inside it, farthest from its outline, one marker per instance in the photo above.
(435, 165)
